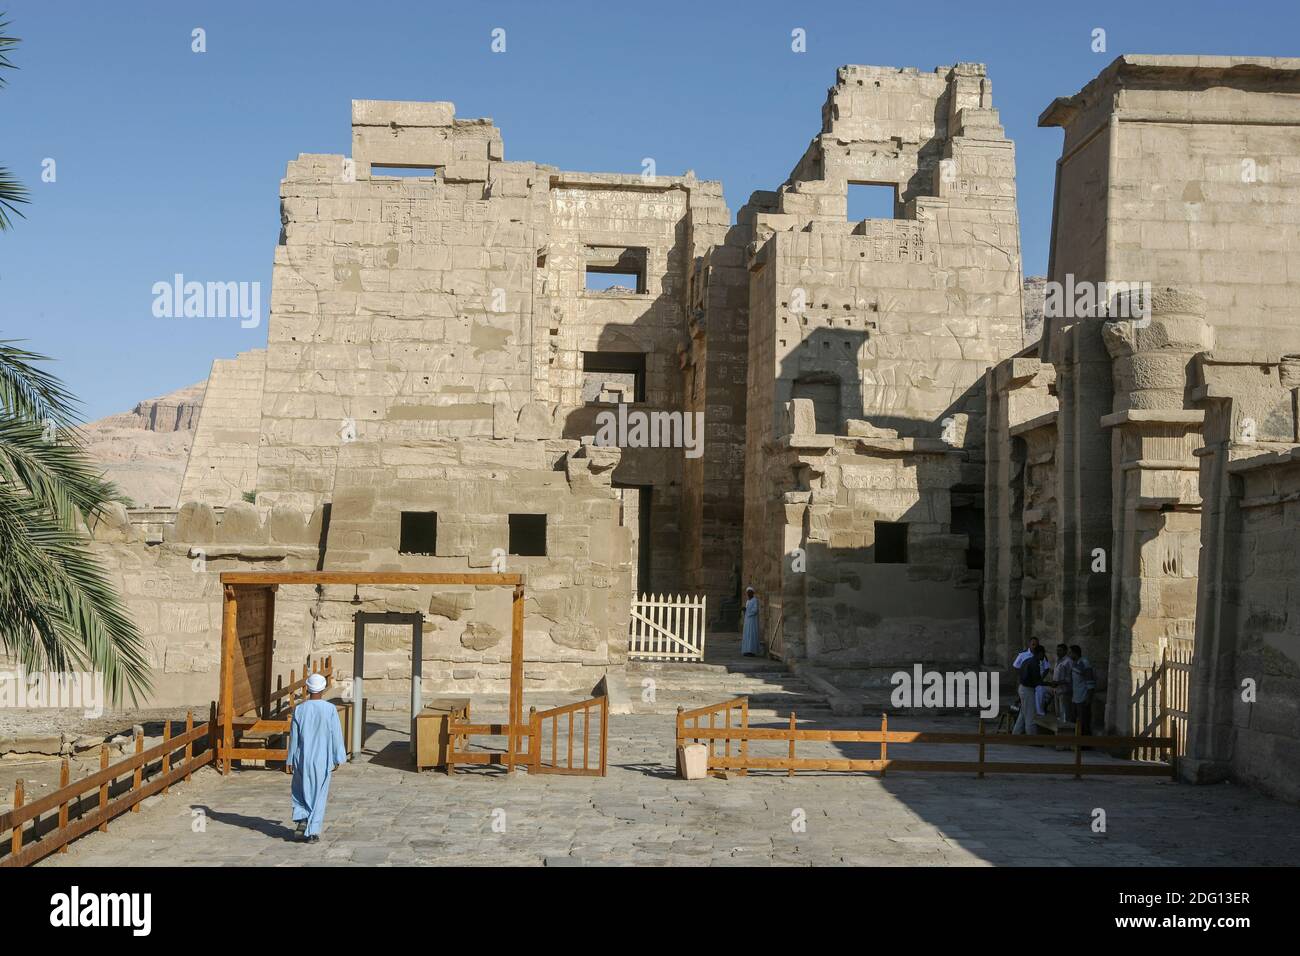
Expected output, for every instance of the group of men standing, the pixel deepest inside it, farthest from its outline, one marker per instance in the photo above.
(1069, 682)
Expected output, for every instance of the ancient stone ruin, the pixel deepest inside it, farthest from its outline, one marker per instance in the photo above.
(902, 475)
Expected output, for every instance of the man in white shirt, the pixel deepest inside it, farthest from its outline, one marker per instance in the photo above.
(1063, 685)
(1024, 655)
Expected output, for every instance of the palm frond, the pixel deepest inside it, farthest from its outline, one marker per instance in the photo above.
(7, 43)
(58, 610)
(12, 192)
(54, 472)
(33, 393)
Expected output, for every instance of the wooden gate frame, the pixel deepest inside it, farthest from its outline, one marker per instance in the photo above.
(238, 583)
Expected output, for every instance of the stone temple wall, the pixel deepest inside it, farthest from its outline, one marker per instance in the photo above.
(1177, 172)
(222, 466)
(1245, 694)
(1020, 593)
(890, 324)
(171, 587)
(577, 595)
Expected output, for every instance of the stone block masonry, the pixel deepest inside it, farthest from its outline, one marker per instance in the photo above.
(902, 477)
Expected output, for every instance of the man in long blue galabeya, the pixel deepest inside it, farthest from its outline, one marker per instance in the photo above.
(749, 644)
(315, 750)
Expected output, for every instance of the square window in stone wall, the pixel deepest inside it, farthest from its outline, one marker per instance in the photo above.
(528, 535)
(615, 270)
(613, 377)
(871, 201)
(891, 542)
(419, 532)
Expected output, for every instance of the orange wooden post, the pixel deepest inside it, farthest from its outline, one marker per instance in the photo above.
(167, 754)
(212, 734)
(713, 723)
(793, 727)
(744, 744)
(726, 722)
(189, 744)
(604, 731)
(884, 742)
(570, 764)
(138, 776)
(980, 774)
(65, 775)
(534, 740)
(16, 843)
(229, 648)
(103, 789)
(516, 674)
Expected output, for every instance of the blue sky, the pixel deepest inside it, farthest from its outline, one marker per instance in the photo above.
(169, 161)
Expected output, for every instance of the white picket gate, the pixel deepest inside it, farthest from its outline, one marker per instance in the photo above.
(667, 628)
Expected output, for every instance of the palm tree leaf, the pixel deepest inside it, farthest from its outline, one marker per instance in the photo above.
(12, 192)
(56, 474)
(58, 610)
(7, 43)
(33, 393)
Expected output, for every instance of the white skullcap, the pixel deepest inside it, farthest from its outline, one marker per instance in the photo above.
(316, 683)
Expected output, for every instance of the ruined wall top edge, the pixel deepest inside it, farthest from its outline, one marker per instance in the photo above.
(1174, 73)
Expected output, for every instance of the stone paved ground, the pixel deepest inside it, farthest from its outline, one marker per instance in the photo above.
(381, 812)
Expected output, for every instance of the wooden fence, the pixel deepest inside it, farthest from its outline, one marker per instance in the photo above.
(744, 760)
(272, 726)
(538, 735)
(1159, 702)
(541, 727)
(152, 771)
(667, 628)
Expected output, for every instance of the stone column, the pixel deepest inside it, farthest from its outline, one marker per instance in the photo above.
(1156, 501)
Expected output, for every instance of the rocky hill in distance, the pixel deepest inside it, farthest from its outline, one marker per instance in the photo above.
(144, 451)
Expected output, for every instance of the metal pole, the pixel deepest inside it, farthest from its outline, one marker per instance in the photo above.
(358, 682)
(417, 669)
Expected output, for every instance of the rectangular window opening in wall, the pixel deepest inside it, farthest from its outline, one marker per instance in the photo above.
(528, 535)
(615, 269)
(872, 201)
(428, 172)
(419, 533)
(613, 377)
(891, 542)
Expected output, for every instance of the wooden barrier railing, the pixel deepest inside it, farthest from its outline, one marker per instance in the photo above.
(791, 735)
(1159, 702)
(537, 735)
(275, 723)
(26, 846)
(459, 732)
(738, 705)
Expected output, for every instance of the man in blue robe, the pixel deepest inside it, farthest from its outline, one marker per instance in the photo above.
(749, 643)
(315, 749)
